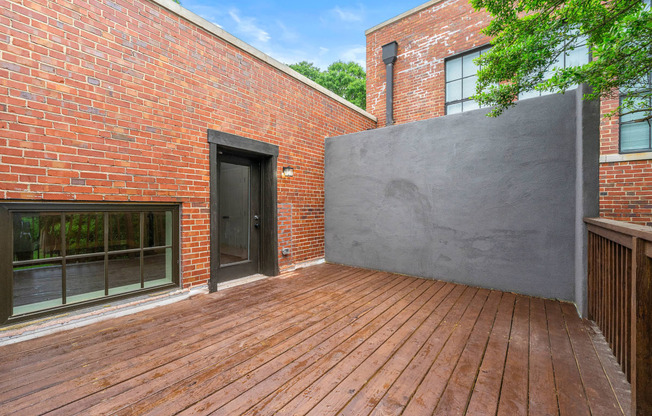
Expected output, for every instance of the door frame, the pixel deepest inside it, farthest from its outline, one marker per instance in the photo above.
(267, 154)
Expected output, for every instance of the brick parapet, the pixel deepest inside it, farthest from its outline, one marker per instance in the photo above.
(111, 101)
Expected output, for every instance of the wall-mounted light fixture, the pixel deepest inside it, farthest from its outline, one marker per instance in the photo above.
(288, 171)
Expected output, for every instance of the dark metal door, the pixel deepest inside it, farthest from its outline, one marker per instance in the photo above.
(239, 214)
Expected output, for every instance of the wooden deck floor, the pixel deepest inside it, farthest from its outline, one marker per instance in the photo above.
(323, 340)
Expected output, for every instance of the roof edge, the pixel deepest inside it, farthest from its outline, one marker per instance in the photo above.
(227, 37)
(401, 16)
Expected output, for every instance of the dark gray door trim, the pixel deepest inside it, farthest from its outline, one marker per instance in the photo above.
(242, 144)
(268, 155)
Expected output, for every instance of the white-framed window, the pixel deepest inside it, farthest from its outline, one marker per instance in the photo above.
(636, 133)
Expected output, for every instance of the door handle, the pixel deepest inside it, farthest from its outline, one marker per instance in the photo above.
(256, 223)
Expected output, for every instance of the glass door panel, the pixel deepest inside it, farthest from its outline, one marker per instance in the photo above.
(235, 194)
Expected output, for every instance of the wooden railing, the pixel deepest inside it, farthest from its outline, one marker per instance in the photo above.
(620, 299)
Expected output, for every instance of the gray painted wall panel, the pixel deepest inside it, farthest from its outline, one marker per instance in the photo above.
(484, 201)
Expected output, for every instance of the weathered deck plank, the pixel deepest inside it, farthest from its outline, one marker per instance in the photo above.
(571, 396)
(324, 340)
(542, 394)
(486, 392)
(514, 390)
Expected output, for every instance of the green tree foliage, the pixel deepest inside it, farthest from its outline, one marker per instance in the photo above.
(346, 79)
(529, 36)
(308, 70)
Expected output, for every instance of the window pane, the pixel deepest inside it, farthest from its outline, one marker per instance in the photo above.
(638, 103)
(468, 66)
(454, 108)
(468, 88)
(635, 136)
(37, 287)
(453, 69)
(470, 105)
(578, 56)
(84, 279)
(641, 84)
(454, 91)
(36, 236)
(157, 266)
(158, 229)
(124, 230)
(558, 63)
(124, 273)
(84, 233)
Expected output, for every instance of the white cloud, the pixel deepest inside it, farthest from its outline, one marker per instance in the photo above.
(209, 13)
(323, 51)
(287, 34)
(247, 26)
(356, 54)
(348, 15)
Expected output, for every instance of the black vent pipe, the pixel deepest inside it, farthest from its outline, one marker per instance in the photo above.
(389, 57)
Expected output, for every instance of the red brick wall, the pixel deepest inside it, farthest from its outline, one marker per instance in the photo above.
(625, 187)
(426, 38)
(626, 191)
(111, 101)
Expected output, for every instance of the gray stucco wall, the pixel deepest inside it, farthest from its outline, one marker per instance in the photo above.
(490, 202)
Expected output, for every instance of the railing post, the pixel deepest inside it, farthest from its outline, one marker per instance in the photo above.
(641, 352)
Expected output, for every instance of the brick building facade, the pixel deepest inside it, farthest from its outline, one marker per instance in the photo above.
(111, 101)
(432, 33)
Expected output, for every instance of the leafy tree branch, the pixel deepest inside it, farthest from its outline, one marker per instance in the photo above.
(346, 79)
(529, 36)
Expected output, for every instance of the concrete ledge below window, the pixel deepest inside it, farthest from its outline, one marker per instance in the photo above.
(74, 319)
(626, 157)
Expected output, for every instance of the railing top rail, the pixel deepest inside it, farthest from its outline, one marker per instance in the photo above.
(634, 230)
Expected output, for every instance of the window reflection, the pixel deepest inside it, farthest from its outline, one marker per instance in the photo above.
(124, 230)
(84, 233)
(157, 266)
(157, 232)
(57, 263)
(37, 236)
(84, 279)
(124, 273)
(37, 287)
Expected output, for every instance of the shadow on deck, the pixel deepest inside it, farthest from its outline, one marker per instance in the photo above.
(324, 340)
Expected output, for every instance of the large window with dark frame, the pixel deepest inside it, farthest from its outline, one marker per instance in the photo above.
(461, 77)
(576, 54)
(68, 254)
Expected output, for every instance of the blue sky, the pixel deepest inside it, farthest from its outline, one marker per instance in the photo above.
(291, 31)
